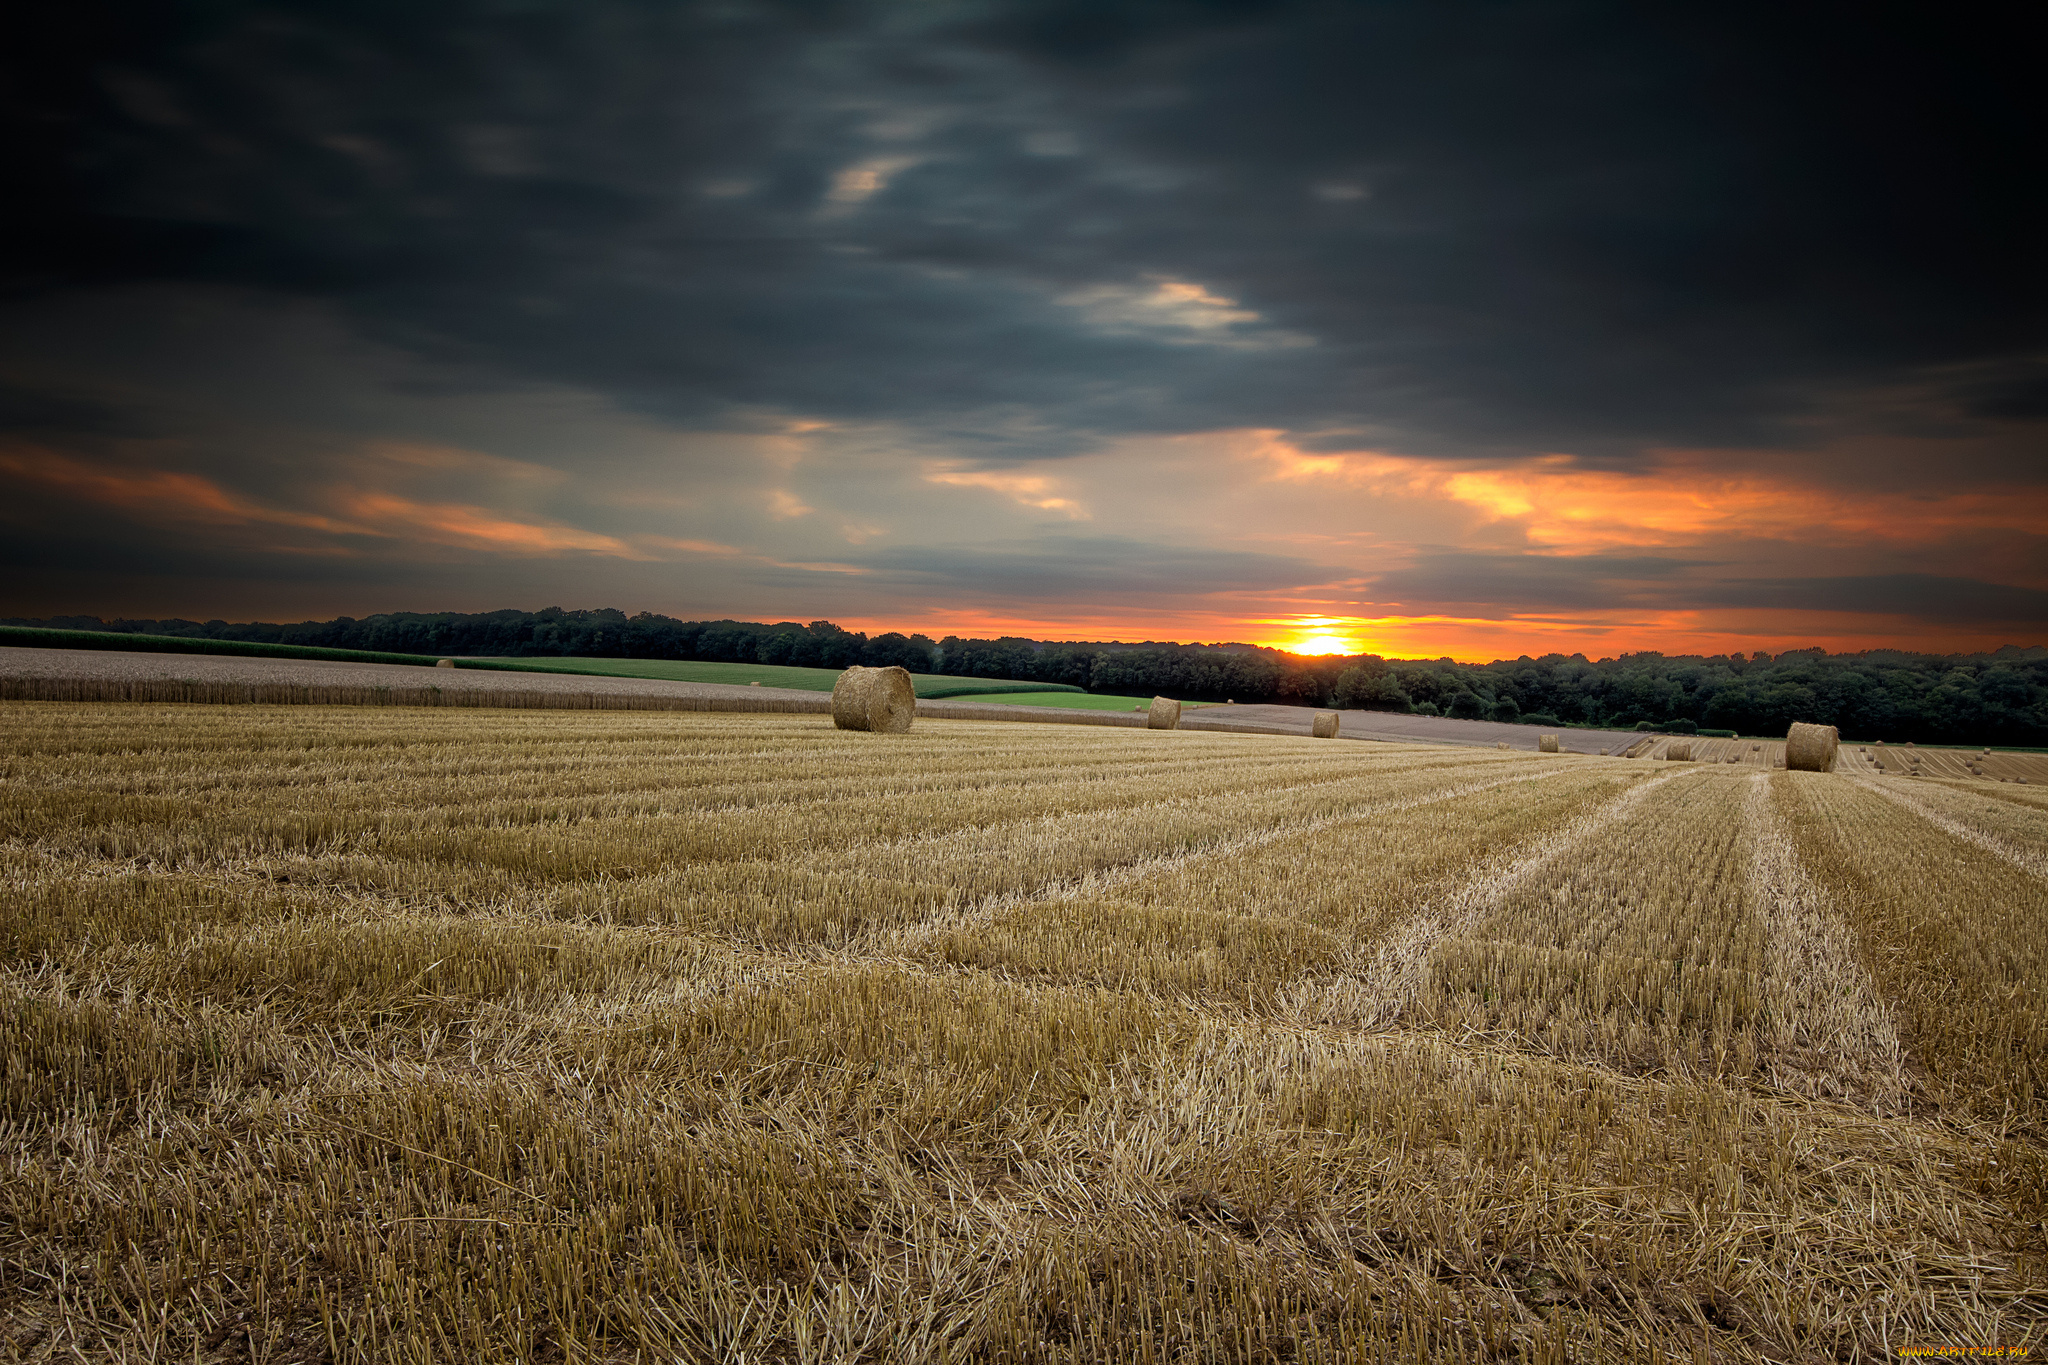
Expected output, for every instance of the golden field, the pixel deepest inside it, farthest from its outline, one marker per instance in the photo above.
(339, 1034)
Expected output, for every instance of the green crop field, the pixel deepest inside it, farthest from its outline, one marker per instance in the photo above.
(385, 1034)
(934, 685)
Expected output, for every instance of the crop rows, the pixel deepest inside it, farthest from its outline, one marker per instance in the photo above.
(383, 1035)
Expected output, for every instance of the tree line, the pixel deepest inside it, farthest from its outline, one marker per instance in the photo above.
(1993, 698)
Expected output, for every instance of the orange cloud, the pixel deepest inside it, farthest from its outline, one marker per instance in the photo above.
(456, 524)
(694, 547)
(1683, 500)
(1030, 490)
(161, 492)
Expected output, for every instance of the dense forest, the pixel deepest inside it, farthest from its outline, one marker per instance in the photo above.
(1997, 698)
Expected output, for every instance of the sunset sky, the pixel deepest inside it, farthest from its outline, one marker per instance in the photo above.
(1424, 329)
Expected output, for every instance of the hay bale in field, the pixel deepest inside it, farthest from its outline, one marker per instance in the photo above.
(1811, 748)
(1734, 758)
(879, 700)
(1546, 744)
(444, 663)
(1324, 726)
(1500, 744)
(1679, 752)
(1164, 715)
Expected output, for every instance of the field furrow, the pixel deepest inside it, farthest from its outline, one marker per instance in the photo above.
(1830, 1031)
(2000, 828)
(1955, 942)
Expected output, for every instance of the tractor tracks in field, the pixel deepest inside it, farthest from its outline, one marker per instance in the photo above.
(1392, 978)
(918, 938)
(2026, 860)
(1830, 1031)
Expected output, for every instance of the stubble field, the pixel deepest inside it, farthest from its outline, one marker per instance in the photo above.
(384, 1035)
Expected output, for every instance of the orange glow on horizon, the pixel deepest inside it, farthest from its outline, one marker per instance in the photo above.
(1474, 641)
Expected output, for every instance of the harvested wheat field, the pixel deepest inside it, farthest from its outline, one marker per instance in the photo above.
(376, 1034)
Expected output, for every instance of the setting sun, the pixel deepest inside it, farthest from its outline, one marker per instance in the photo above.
(1322, 644)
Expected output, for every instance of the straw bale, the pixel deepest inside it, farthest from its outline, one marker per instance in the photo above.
(1500, 744)
(1811, 748)
(1164, 715)
(1324, 725)
(1680, 751)
(880, 700)
(444, 663)
(1546, 744)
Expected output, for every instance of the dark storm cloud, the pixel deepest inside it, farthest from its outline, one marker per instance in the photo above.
(1930, 596)
(1457, 580)
(1502, 228)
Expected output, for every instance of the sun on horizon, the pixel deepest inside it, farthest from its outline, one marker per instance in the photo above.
(1323, 643)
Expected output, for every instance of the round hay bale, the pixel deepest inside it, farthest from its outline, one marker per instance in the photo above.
(1500, 744)
(1546, 744)
(879, 700)
(1324, 726)
(1679, 752)
(1164, 715)
(444, 663)
(1811, 748)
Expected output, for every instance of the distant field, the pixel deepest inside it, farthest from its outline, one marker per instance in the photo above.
(1087, 701)
(933, 685)
(360, 1034)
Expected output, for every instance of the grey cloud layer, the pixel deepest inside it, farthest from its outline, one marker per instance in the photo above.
(1491, 583)
(1478, 213)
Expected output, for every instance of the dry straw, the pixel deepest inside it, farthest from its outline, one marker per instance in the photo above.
(159, 690)
(1680, 751)
(444, 663)
(1546, 744)
(1500, 744)
(1325, 725)
(1811, 748)
(880, 700)
(1165, 715)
